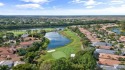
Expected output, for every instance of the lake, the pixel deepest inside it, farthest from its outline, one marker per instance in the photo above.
(56, 40)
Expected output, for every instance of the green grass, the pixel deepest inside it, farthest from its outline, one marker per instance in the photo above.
(18, 32)
(58, 54)
(67, 50)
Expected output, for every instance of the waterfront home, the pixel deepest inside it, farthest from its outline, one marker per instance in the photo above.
(28, 43)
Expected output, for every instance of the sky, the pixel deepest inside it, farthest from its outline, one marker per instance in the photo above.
(62, 7)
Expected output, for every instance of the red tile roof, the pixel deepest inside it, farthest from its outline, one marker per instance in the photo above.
(108, 62)
(26, 43)
(110, 56)
(89, 35)
(122, 38)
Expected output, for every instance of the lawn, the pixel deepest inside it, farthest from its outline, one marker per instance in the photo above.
(58, 54)
(18, 32)
(67, 50)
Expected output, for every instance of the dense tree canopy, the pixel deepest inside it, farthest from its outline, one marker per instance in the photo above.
(29, 22)
(25, 67)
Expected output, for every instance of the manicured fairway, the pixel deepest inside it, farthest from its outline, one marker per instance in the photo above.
(58, 54)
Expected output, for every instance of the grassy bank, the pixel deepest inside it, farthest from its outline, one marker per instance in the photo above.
(66, 50)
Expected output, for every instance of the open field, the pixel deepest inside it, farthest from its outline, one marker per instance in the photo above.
(65, 51)
(18, 32)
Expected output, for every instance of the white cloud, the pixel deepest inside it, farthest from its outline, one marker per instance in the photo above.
(92, 3)
(33, 6)
(36, 1)
(117, 1)
(78, 1)
(89, 7)
(1, 4)
(88, 4)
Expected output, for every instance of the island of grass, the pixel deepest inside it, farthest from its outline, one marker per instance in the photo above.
(65, 51)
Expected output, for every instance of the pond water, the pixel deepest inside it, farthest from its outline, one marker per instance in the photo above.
(56, 40)
(117, 31)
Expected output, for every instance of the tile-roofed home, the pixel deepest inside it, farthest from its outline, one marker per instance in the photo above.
(108, 62)
(8, 53)
(29, 38)
(110, 56)
(26, 44)
(104, 47)
(122, 38)
(89, 35)
(5, 51)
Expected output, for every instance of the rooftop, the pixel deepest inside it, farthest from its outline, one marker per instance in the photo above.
(25, 35)
(104, 51)
(122, 38)
(108, 62)
(110, 56)
(101, 44)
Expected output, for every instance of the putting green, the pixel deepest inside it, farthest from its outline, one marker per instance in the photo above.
(58, 54)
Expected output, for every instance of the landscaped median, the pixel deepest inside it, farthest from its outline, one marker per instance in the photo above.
(66, 50)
